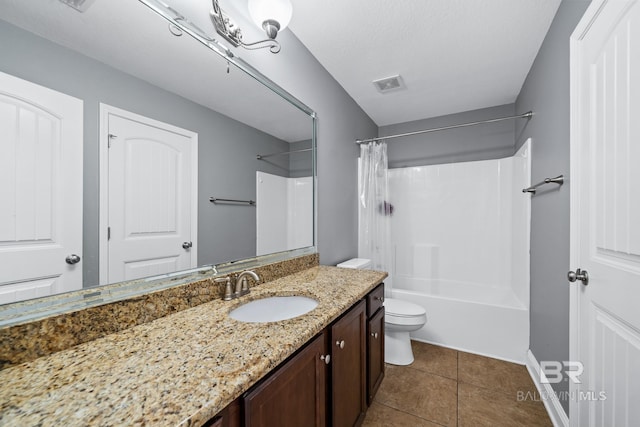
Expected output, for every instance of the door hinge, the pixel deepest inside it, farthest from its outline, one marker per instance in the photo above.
(111, 136)
(108, 233)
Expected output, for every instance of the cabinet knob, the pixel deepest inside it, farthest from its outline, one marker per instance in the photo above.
(340, 344)
(374, 335)
(379, 299)
(326, 358)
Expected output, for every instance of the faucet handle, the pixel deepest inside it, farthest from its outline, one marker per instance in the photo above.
(228, 293)
(244, 286)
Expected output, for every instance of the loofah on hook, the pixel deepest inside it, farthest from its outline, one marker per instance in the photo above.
(385, 208)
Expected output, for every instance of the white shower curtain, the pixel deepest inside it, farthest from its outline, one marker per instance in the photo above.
(374, 208)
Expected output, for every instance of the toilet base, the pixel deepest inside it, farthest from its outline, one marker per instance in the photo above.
(397, 348)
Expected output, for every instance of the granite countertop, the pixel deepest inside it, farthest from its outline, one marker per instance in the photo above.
(181, 369)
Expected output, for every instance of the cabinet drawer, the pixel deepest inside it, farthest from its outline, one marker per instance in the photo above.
(375, 298)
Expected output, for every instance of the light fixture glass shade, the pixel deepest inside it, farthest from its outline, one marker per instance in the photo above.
(271, 10)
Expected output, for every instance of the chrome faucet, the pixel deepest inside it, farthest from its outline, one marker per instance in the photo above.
(242, 286)
(239, 282)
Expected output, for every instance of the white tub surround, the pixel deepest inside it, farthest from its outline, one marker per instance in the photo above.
(460, 235)
(284, 213)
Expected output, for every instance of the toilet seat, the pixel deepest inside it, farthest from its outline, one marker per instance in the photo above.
(398, 312)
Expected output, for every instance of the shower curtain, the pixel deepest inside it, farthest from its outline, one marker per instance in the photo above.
(374, 208)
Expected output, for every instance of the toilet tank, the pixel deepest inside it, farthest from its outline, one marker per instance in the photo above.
(356, 263)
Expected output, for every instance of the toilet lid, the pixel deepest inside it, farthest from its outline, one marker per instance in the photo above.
(399, 308)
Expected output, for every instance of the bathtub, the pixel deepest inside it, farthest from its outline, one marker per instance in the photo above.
(460, 248)
(472, 317)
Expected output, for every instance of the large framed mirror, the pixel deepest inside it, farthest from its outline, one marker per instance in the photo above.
(183, 145)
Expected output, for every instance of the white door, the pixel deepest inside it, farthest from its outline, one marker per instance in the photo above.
(151, 198)
(605, 214)
(40, 190)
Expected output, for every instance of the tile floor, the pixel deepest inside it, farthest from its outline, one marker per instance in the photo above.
(445, 387)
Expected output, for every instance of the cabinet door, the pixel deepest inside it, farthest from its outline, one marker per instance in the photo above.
(228, 417)
(294, 395)
(348, 377)
(375, 353)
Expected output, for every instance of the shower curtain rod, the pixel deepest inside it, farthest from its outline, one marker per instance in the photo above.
(526, 115)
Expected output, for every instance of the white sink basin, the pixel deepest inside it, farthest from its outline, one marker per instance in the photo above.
(273, 309)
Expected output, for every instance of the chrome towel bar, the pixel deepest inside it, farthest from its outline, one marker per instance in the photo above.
(243, 202)
(557, 180)
(284, 153)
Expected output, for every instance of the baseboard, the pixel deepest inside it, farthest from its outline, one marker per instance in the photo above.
(549, 398)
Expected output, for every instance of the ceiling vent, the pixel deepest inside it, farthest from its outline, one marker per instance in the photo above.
(389, 84)
(79, 5)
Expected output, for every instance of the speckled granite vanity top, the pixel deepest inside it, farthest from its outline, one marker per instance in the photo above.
(181, 369)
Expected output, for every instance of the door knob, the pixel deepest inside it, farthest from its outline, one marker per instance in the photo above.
(187, 245)
(72, 259)
(581, 275)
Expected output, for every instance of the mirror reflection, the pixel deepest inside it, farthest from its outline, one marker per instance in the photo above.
(123, 159)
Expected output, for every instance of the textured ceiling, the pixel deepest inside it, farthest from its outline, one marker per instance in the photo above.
(454, 55)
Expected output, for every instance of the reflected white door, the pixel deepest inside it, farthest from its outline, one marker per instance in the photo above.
(152, 171)
(605, 214)
(40, 190)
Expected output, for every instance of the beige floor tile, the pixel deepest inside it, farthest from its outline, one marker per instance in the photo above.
(494, 374)
(380, 415)
(435, 360)
(418, 393)
(479, 407)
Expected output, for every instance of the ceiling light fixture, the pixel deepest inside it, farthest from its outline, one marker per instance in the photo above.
(270, 15)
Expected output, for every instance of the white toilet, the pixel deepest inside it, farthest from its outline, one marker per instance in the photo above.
(400, 319)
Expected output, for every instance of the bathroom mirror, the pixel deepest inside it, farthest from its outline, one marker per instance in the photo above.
(125, 61)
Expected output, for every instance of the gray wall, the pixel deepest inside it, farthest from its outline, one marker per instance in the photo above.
(546, 92)
(226, 232)
(340, 122)
(482, 142)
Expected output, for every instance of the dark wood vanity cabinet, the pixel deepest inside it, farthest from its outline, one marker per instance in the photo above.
(348, 368)
(375, 341)
(295, 394)
(327, 382)
(375, 354)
